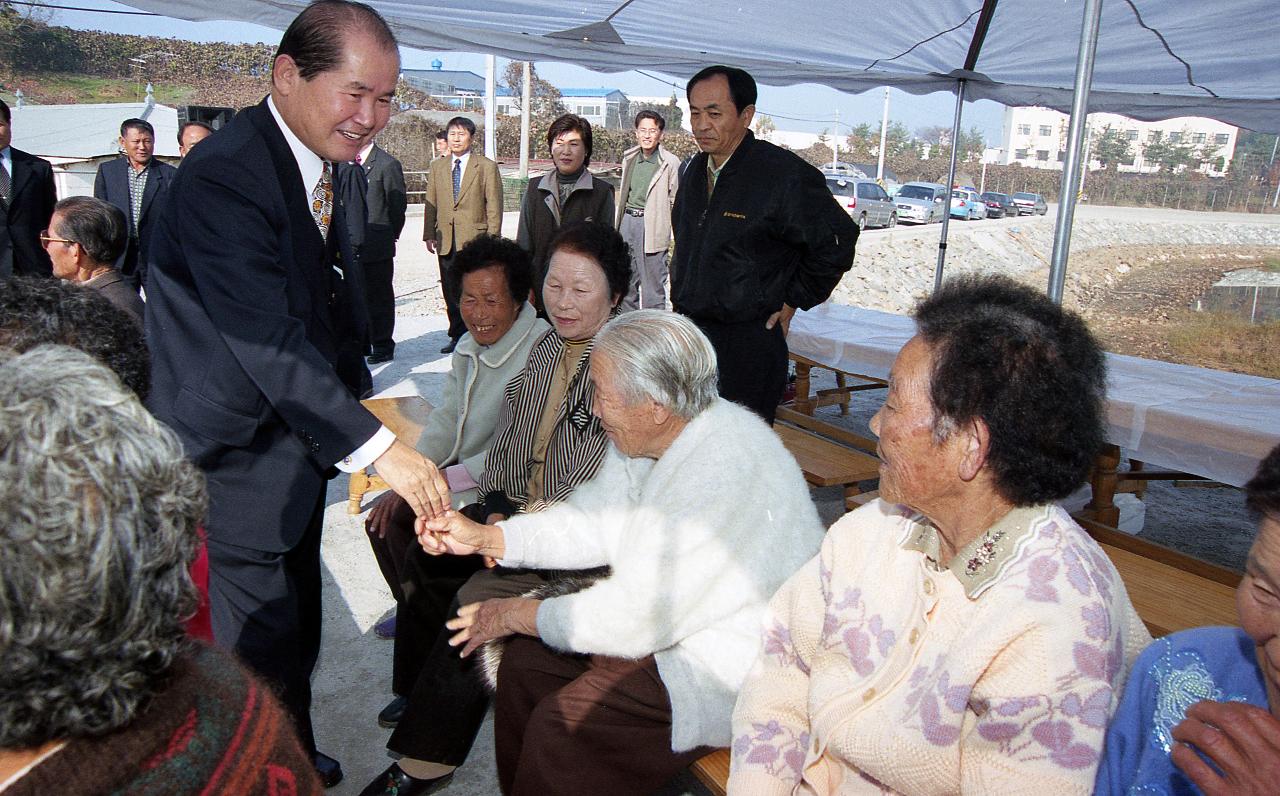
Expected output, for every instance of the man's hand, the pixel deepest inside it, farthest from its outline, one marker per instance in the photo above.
(387, 512)
(455, 534)
(477, 623)
(431, 245)
(782, 316)
(1243, 740)
(413, 477)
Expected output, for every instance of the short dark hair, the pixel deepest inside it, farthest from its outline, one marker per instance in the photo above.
(569, 123)
(442, 135)
(315, 38)
(602, 243)
(487, 251)
(742, 86)
(4, 111)
(137, 124)
(1005, 354)
(655, 116)
(1262, 493)
(463, 122)
(36, 310)
(99, 227)
(182, 128)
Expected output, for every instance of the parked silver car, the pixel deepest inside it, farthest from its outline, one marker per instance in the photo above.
(922, 202)
(864, 200)
(1029, 203)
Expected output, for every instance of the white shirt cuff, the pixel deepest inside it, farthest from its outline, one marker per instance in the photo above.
(367, 453)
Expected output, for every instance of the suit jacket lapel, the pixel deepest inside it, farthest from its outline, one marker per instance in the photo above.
(469, 177)
(308, 245)
(20, 173)
(153, 185)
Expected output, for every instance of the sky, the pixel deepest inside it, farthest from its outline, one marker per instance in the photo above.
(805, 108)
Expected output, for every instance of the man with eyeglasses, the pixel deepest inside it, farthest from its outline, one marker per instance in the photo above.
(84, 238)
(650, 177)
(27, 197)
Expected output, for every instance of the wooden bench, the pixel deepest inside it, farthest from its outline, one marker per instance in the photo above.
(836, 396)
(1170, 590)
(828, 463)
(405, 416)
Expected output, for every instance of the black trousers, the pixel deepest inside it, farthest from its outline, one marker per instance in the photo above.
(752, 362)
(265, 607)
(382, 305)
(456, 327)
(447, 695)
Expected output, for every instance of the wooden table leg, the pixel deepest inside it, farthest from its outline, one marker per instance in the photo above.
(804, 403)
(1102, 507)
(355, 493)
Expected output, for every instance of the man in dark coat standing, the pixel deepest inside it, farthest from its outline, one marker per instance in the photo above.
(136, 183)
(27, 197)
(385, 202)
(254, 291)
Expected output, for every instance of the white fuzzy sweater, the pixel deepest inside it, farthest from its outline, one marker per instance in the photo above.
(698, 540)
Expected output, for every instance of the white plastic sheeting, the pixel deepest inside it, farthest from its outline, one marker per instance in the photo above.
(1194, 420)
(1156, 58)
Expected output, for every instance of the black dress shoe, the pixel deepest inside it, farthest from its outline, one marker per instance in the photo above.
(394, 782)
(328, 769)
(378, 357)
(453, 343)
(392, 713)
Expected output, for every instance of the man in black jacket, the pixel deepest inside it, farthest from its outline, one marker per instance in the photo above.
(758, 236)
(138, 184)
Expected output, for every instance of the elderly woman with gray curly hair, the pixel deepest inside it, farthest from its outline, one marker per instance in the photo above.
(701, 513)
(101, 690)
(961, 634)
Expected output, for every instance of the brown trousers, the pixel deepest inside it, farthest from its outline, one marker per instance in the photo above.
(579, 724)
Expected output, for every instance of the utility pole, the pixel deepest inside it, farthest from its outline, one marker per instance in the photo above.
(884, 131)
(835, 142)
(490, 108)
(525, 94)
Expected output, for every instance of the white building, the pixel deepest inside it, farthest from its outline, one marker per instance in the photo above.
(1037, 137)
(77, 138)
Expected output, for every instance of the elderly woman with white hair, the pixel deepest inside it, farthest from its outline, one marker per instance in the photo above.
(701, 513)
(101, 690)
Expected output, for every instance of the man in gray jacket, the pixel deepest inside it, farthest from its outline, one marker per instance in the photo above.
(650, 177)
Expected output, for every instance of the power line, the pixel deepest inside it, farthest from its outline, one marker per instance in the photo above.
(81, 8)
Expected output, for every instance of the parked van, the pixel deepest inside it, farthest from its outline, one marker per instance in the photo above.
(922, 202)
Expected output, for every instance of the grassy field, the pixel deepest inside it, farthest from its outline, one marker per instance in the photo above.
(63, 87)
(1227, 342)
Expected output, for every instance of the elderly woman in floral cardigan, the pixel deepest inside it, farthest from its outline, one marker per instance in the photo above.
(961, 634)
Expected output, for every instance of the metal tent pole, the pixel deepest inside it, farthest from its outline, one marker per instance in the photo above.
(1075, 142)
(951, 181)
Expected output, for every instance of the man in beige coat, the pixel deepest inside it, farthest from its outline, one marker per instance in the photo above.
(464, 201)
(650, 177)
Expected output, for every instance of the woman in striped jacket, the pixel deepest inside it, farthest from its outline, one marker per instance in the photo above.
(546, 444)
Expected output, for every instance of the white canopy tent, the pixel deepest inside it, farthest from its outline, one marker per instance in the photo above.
(1154, 59)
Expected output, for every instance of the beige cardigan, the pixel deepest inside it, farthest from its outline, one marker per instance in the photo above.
(882, 673)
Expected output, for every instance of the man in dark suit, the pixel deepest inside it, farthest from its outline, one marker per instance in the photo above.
(385, 202)
(253, 292)
(27, 197)
(136, 183)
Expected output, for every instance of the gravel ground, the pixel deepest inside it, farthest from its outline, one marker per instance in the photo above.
(352, 681)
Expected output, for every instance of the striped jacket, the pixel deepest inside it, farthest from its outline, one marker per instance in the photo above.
(577, 443)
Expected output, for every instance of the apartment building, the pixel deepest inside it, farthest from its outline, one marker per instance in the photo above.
(1037, 137)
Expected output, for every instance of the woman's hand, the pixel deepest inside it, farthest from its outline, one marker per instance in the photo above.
(388, 511)
(477, 623)
(1241, 739)
(455, 534)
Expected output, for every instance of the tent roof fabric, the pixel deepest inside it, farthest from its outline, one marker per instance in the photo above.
(1156, 58)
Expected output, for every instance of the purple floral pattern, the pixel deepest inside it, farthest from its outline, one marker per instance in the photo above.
(777, 749)
(1063, 725)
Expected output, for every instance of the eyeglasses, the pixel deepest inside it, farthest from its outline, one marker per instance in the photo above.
(45, 239)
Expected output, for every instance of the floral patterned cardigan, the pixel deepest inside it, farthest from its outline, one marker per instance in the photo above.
(882, 672)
